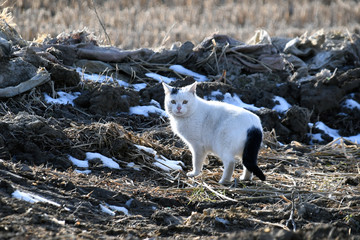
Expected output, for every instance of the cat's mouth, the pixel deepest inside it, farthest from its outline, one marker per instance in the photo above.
(178, 113)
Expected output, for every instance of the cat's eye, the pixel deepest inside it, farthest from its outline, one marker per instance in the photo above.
(173, 101)
(185, 102)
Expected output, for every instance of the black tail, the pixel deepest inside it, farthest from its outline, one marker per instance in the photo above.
(251, 150)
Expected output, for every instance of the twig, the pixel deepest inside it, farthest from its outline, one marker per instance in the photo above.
(166, 37)
(215, 56)
(101, 23)
(270, 223)
(292, 213)
(232, 50)
(215, 192)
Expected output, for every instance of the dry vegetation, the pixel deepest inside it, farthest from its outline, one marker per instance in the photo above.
(139, 23)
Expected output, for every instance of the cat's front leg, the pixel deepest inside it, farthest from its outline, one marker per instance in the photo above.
(198, 157)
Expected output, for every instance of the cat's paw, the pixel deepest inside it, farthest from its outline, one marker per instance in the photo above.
(225, 181)
(245, 178)
(192, 174)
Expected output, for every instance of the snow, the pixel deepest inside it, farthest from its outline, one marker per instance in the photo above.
(180, 69)
(146, 149)
(155, 103)
(214, 94)
(351, 104)
(83, 171)
(159, 78)
(221, 220)
(110, 209)
(134, 166)
(233, 100)
(79, 163)
(355, 139)
(104, 78)
(161, 161)
(332, 132)
(107, 210)
(139, 86)
(145, 110)
(119, 209)
(128, 202)
(329, 131)
(32, 198)
(166, 164)
(317, 136)
(64, 98)
(282, 105)
(108, 162)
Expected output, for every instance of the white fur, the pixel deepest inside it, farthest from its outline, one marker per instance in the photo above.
(209, 127)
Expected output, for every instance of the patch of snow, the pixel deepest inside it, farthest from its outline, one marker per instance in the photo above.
(122, 83)
(329, 131)
(161, 161)
(32, 198)
(120, 209)
(180, 69)
(106, 210)
(128, 202)
(355, 139)
(83, 171)
(104, 78)
(317, 136)
(134, 166)
(155, 103)
(139, 86)
(108, 162)
(221, 220)
(110, 209)
(79, 163)
(64, 98)
(166, 164)
(145, 110)
(282, 105)
(333, 133)
(351, 104)
(95, 77)
(146, 149)
(235, 100)
(159, 78)
(213, 95)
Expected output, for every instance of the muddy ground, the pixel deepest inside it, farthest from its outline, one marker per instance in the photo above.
(311, 192)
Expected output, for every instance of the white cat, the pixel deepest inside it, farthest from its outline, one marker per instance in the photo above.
(211, 126)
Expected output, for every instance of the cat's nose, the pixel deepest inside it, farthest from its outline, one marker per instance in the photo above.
(178, 108)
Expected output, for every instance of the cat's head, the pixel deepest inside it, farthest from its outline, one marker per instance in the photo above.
(180, 102)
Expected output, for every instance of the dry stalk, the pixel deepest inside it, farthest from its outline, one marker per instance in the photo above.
(233, 50)
(270, 223)
(101, 23)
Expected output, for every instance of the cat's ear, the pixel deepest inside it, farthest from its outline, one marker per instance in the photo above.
(167, 88)
(192, 88)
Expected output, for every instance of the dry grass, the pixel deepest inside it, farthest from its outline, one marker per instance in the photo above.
(139, 23)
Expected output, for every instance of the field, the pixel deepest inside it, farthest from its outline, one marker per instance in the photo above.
(137, 24)
(88, 152)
